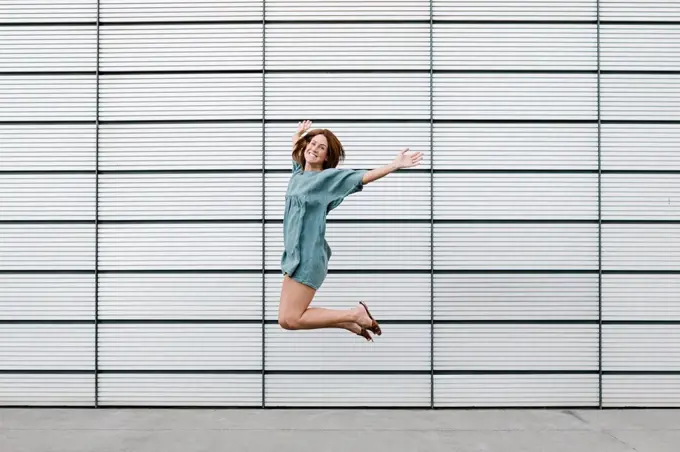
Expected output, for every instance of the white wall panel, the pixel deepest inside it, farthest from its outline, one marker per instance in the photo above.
(313, 10)
(640, 97)
(515, 347)
(656, 10)
(180, 96)
(178, 47)
(515, 390)
(348, 96)
(35, 296)
(348, 390)
(514, 46)
(160, 10)
(180, 389)
(640, 246)
(366, 145)
(641, 347)
(46, 389)
(180, 246)
(640, 146)
(401, 347)
(515, 96)
(27, 147)
(49, 347)
(180, 196)
(60, 48)
(47, 196)
(177, 346)
(190, 146)
(641, 196)
(389, 296)
(514, 9)
(47, 247)
(640, 297)
(403, 195)
(207, 296)
(47, 97)
(515, 246)
(14, 11)
(641, 390)
(515, 296)
(515, 146)
(515, 196)
(387, 246)
(640, 47)
(348, 46)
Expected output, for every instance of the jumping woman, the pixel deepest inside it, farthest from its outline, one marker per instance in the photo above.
(315, 188)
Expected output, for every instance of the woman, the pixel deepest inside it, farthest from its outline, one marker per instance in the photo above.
(315, 188)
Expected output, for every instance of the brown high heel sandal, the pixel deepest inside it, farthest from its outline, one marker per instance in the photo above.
(364, 333)
(374, 328)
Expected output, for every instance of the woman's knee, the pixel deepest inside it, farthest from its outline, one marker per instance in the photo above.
(289, 321)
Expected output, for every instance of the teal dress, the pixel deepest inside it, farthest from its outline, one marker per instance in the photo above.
(309, 198)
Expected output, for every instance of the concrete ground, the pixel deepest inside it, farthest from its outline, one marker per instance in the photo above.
(189, 430)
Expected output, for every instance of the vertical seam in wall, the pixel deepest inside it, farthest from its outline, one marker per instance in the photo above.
(599, 217)
(431, 225)
(264, 10)
(96, 221)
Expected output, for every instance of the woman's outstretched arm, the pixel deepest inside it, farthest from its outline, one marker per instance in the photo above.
(402, 160)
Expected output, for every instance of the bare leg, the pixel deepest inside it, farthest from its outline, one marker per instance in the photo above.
(295, 314)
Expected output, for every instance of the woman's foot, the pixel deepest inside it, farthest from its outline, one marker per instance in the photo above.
(355, 328)
(367, 321)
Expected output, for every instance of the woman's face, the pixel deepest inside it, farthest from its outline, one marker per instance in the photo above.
(317, 150)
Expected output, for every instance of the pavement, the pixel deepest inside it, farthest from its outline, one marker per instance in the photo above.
(282, 430)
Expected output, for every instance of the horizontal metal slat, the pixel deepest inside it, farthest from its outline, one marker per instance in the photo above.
(180, 389)
(356, 96)
(510, 196)
(180, 296)
(514, 9)
(641, 146)
(640, 97)
(180, 96)
(515, 297)
(52, 347)
(180, 196)
(180, 246)
(641, 297)
(516, 347)
(514, 46)
(47, 297)
(507, 246)
(640, 247)
(515, 390)
(640, 347)
(46, 390)
(14, 11)
(178, 47)
(157, 346)
(347, 390)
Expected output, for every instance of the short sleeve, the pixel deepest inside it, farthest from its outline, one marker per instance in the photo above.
(341, 183)
(296, 167)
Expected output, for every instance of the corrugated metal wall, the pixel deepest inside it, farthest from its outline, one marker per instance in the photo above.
(531, 260)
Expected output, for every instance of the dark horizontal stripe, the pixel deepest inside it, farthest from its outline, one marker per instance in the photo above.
(264, 20)
(354, 271)
(258, 321)
(104, 73)
(347, 221)
(346, 121)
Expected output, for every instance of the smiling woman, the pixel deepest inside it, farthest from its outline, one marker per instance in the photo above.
(315, 188)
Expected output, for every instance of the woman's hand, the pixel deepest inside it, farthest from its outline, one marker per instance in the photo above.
(302, 128)
(407, 160)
